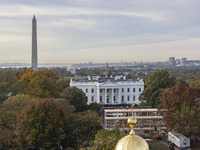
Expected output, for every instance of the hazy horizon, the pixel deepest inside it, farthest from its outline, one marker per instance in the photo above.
(77, 31)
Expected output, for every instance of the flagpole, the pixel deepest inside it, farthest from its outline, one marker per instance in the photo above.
(106, 70)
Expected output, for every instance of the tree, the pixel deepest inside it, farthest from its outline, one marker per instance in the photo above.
(76, 97)
(81, 128)
(11, 108)
(7, 82)
(64, 83)
(195, 84)
(160, 79)
(42, 124)
(180, 109)
(95, 107)
(41, 84)
(156, 83)
(8, 141)
(65, 105)
(106, 139)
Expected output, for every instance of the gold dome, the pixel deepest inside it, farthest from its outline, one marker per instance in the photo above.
(132, 141)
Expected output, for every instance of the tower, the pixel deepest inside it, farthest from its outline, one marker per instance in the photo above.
(34, 64)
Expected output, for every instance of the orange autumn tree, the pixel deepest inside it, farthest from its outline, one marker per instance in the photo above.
(180, 108)
(41, 124)
(41, 84)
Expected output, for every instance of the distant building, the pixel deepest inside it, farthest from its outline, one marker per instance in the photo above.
(172, 61)
(178, 62)
(110, 90)
(183, 61)
(71, 69)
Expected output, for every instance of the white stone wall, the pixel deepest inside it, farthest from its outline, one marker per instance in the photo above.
(111, 92)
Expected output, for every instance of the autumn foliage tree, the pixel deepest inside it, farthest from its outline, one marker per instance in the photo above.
(8, 140)
(180, 108)
(106, 139)
(81, 129)
(10, 109)
(7, 84)
(41, 84)
(41, 124)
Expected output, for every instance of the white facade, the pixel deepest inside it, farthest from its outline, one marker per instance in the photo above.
(110, 91)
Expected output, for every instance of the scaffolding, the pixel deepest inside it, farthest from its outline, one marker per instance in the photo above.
(149, 121)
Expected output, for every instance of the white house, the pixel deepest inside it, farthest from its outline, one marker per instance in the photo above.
(110, 90)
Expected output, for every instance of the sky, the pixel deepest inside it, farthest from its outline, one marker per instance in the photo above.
(81, 31)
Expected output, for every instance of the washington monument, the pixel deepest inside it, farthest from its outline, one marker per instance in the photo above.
(34, 64)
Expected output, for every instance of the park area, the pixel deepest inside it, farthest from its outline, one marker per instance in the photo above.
(161, 145)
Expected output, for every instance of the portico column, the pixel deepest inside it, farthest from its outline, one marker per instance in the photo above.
(119, 96)
(105, 95)
(112, 96)
(98, 95)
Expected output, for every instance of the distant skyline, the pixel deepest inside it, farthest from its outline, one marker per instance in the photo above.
(81, 31)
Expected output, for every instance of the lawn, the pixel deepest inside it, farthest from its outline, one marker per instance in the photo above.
(158, 145)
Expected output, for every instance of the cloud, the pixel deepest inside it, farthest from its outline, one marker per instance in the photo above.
(75, 26)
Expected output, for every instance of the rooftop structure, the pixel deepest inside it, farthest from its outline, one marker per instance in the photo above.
(110, 90)
(148, 120)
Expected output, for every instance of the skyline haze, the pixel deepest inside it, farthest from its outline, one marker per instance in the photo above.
(77, 31)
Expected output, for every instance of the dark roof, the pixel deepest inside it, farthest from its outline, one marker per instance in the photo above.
(105, 79)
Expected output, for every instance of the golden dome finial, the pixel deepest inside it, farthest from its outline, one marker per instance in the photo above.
(132, 121)
(132, 141)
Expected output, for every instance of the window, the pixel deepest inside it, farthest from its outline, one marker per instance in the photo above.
(114, 98)
(107, 90)
(128, 98)
(122, 89)
(100, 90)
(86, 90)
(92, 90)
(92, 98)
(101, 99)
(114, 90)
(128, 90)
(139, 89)
(133, 89)
(122, 98)
(133, 97)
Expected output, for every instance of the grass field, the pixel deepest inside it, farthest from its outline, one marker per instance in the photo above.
(158, 145)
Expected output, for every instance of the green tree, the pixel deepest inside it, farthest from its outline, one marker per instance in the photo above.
(11, 108)
(65, 105)
(76, 97)
(81, 128)
(42, 124)
(160, 79)
(156, 83)
(41, 84)
(95, 107)
(7, 82)
(186, 121)
(106, 139)
(64, 83)
(180, 109)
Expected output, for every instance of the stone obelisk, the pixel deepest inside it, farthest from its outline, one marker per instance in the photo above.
(34, 64)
